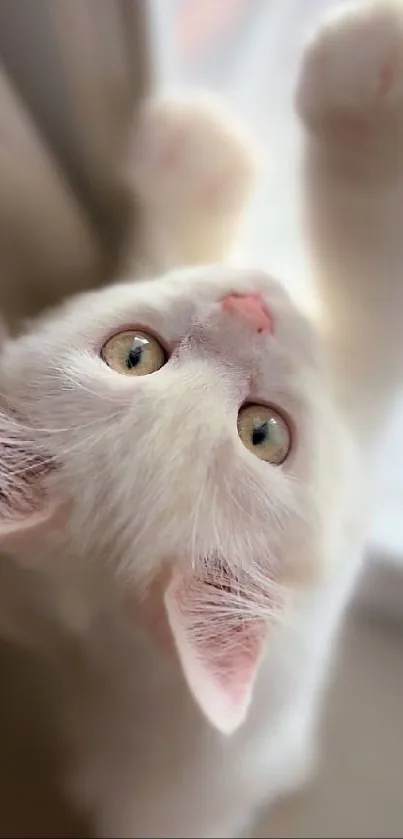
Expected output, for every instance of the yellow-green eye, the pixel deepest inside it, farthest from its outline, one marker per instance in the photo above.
(265, 433)
(133, 353)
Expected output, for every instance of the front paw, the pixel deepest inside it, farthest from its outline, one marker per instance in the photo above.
(351, 78)
(191, 159)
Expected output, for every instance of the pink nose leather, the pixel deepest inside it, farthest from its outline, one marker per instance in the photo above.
(251, 308)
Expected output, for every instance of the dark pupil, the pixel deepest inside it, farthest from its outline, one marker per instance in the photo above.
(260, 433)
(134, 357)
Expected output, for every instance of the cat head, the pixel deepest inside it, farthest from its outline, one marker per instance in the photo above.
(169, 447)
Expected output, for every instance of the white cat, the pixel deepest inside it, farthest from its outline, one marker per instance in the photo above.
(182, 461)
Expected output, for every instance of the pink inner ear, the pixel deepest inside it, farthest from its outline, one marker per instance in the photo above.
(218, 650)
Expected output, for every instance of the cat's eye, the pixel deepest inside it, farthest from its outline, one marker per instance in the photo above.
(133, 353)
(265, 433)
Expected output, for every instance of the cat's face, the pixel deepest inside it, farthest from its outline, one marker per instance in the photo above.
(187, 436)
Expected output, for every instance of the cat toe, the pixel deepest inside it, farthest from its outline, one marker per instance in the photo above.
(191, 156)
(352, 70)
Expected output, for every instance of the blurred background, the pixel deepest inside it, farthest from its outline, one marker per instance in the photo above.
(71, 74)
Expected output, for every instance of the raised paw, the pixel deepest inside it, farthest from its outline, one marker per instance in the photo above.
(352, 70)
(192, 167)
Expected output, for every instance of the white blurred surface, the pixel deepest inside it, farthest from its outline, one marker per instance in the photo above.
(357, 791)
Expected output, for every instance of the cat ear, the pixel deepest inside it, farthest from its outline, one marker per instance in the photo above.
(219, 652)
(25, 502)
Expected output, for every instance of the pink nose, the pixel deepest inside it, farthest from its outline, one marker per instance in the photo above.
(250, 307)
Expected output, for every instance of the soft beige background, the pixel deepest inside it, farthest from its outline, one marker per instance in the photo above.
(358, 790)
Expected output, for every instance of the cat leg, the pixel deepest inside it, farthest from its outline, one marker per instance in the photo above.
(191, 168)
(350, 98)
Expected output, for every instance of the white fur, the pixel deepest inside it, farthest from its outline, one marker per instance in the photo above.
(192, 167)
(152, 479)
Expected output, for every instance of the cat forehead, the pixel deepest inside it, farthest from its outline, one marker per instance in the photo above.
(168, 305)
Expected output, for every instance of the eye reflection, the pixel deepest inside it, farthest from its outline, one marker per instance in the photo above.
(264, 433)
(133, 353)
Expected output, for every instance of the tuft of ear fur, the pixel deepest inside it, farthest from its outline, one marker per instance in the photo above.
(219, 638)
(25, 501)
